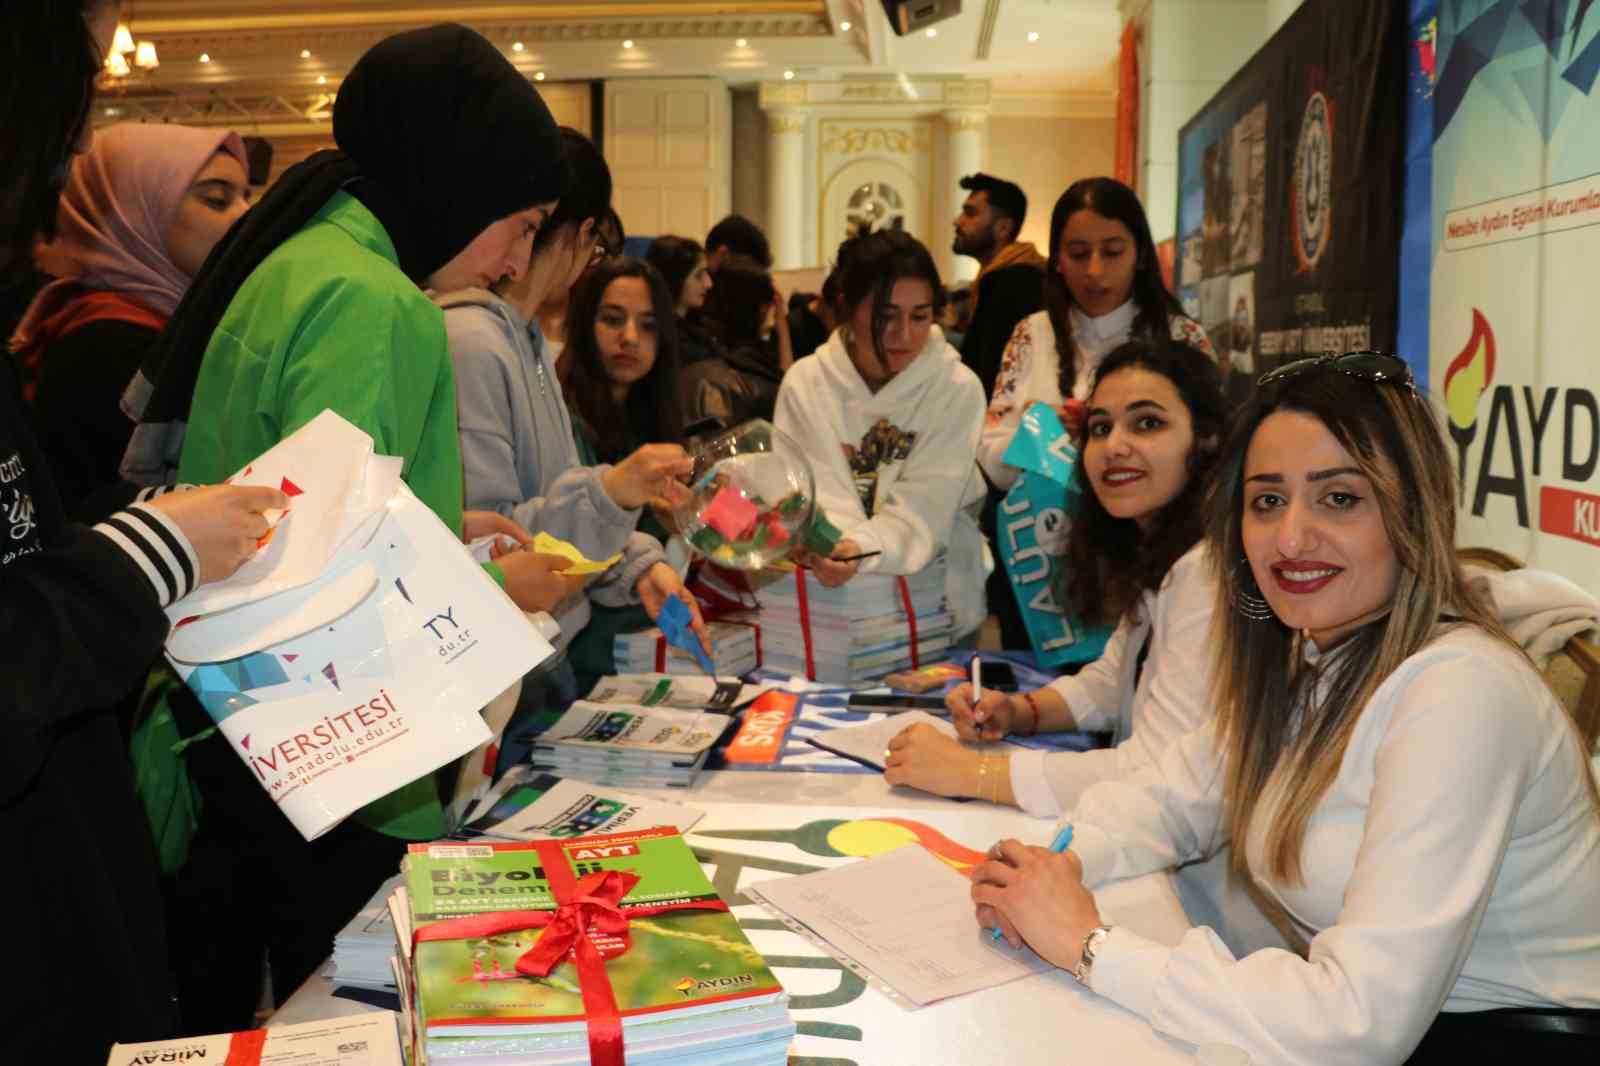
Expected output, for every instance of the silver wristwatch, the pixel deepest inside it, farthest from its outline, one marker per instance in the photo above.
(1091, 944)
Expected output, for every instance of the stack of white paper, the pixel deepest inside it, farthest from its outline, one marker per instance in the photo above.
(857, 631)
(733, 651)
(362, 950)
(621, 744)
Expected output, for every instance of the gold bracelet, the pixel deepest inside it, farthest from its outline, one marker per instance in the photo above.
(983, 772)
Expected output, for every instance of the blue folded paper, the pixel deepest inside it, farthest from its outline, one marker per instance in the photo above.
(674, 621)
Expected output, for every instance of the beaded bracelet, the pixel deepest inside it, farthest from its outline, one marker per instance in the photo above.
(1033, 706)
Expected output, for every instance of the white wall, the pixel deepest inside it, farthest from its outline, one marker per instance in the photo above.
(749, 159)
(668, 142)
(1044, 156)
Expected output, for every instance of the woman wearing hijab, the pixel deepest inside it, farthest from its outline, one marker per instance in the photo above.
(448, 163)
(141, 211)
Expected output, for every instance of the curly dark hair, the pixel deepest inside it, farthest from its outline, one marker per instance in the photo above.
(652, 411)
(1110, 562)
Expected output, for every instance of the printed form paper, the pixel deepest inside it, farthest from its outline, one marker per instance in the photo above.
(926, 952)
(867, 742)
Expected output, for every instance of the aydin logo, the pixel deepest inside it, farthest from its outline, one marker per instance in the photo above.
(1465, 380)
(1311, 195)
(712, 986)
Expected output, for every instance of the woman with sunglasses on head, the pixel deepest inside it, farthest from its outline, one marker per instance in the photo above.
(889, 417)
(143, 208)
(82, 613)
(1156, 414)
(1391, 771)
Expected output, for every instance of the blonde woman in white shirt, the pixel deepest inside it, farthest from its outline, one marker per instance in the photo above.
(1102, 287)
(889, 417)
(1391, 771)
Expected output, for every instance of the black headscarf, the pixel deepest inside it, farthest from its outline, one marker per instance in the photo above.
(439, 136)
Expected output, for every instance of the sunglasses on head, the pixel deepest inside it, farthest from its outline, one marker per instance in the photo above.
(1378, 368)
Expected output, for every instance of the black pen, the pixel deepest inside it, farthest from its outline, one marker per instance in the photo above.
(855, 558)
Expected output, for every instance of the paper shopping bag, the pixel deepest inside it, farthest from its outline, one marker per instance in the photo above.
(340, 690)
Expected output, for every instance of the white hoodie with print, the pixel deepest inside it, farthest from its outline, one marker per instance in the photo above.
(896, 469)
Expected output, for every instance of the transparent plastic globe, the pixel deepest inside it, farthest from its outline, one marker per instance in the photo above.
(751, 497)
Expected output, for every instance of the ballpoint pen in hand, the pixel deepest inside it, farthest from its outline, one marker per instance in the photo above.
(1062, 841)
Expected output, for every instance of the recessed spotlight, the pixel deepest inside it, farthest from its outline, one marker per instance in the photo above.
(844, 27)
(517, 47)
(538, 76)
(113, 112)
(628, 43)
(741, 42)
(1033, 35)
(322, 79)
(788, 75)
(305, 53)
(205, 57)
(931, 32)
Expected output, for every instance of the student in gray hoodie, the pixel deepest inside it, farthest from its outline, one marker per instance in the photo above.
(518, 451)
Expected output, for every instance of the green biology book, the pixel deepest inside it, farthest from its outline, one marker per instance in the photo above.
(687, 961)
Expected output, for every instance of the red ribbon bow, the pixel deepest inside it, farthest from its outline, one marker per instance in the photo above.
(584, 907)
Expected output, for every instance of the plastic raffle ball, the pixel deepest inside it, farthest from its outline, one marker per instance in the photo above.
(751, 497)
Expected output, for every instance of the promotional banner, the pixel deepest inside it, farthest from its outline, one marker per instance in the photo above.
(1289, 202)
(1516, 202)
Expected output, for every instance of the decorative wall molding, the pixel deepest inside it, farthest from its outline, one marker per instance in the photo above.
(920, 94)
(1064, 103)
(965, 121)
(785, 122)
(857, 139)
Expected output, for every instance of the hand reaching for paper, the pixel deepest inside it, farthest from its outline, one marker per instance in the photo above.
(478, 524)
(534, 580)
(660, 582)
(652, 472)
(223, 523)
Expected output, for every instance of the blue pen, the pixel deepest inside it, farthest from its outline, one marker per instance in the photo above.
(1061, 843)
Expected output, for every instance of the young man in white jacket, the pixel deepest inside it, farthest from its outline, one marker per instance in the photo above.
(890, 418)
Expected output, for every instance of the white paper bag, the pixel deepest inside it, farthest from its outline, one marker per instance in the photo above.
(339, 689)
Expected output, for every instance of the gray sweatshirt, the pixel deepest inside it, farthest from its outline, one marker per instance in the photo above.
(519, 455)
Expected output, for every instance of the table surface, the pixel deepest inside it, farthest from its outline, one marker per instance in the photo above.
(747, 836)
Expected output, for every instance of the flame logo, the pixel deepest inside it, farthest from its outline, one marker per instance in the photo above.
(838, 838)
(1469, 374)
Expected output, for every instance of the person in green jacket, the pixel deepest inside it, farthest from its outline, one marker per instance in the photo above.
(448, 163)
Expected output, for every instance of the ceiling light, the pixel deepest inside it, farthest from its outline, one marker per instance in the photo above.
(117, 64)
(741, 42)
(538, 76)
(122, 42)
(113, 112)
(517, 47)
(628, 43)
(205, 57)
(788, 75)
(1033, 35)
(305, 53)
(322, 79)
(844, 27)
(144, 56)
(931, 32)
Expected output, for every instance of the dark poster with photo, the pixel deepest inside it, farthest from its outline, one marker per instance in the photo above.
(1289, 199)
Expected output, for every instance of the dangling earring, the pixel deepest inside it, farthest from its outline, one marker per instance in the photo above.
(1247, 598)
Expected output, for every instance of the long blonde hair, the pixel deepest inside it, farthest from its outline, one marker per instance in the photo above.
(1272, 708)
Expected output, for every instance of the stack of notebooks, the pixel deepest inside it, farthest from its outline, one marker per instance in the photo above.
(858, 631)
(641, 730)
(734, 651)
(525, 804)
(690, 988)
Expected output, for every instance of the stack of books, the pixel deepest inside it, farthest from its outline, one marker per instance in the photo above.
(625, 745)
(690, 987)
(670, 690)
(858, 631)
(734, 651)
